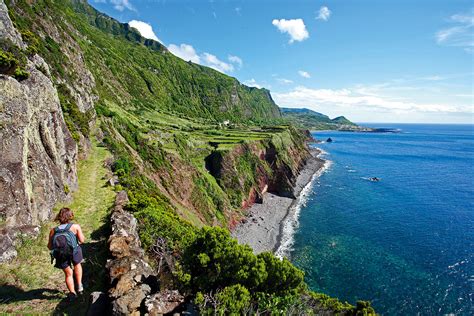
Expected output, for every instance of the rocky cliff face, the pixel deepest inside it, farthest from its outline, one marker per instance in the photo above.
(249, 170)
(38, 154)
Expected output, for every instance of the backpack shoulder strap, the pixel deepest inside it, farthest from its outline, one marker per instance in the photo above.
(68, 226)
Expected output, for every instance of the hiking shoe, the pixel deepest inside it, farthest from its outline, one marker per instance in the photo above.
(71, 297)
(80, 289)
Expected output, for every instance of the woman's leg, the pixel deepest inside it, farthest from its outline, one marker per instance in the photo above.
(78, 273)
(69, 279)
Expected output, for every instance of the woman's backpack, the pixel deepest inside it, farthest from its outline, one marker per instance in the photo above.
(64, 243)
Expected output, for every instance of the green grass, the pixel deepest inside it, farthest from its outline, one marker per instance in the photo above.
(30, 284)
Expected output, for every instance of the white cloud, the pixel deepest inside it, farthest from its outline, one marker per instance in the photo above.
(121, 5)
(284, 81)
(324, 13)
(188, 53)
(185, 52)
(350, 99)
(214, 62)
(432, 78)
(235, 60)
(295, 28)
(145, 29)
(304, 74)
(252, 83)
(459, 35)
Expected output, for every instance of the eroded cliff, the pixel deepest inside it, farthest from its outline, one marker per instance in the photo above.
(38, 154)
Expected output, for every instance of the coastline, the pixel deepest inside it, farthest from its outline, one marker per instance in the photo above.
(269, 226)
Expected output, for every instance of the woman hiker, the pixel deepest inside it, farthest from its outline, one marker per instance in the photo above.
(64, 243)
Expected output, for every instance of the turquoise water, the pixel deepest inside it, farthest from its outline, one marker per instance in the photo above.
(407, 242)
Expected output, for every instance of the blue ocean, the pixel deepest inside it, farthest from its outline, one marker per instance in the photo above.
(406, 242)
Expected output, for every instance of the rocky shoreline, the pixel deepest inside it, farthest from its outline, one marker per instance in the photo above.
(263, 227)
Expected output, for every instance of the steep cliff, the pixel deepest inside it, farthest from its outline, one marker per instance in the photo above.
(38, 154)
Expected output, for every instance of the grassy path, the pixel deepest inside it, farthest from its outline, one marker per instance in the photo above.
(30, 283)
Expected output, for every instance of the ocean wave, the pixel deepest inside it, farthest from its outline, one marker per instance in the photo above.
(291, 222)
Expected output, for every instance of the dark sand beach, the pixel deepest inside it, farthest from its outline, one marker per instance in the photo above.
(265, 222)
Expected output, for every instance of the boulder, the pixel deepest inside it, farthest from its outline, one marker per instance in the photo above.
(98, 304)
(129, 304)
(163, 303)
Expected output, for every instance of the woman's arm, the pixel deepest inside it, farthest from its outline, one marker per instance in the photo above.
(80, 235)
(50, 239)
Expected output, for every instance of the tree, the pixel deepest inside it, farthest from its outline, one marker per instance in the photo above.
(214, 259)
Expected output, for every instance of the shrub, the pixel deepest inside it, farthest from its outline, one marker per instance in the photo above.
(21, 74)
(66, 189)
(214, 259)
(282, 276)
(364, 308)
(32, 40)
(232, 300)
(8, 63)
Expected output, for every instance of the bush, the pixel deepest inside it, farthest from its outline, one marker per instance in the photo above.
(66, 189)
(8, 63)
(364, 308)
(232, 300)
(21, 74)
(214, 259)
(157, 221)
(282, 276)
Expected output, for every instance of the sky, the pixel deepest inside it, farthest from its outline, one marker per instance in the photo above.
(400, 61)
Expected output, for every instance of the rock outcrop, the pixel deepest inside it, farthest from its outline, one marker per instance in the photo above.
(135, 286)
(38, 154)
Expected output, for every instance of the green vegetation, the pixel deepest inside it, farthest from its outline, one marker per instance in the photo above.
(312, 120)
(12, 60)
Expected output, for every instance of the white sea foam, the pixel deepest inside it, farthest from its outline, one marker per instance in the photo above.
(291, 221)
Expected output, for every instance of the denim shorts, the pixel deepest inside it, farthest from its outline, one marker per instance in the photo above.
(76, 258)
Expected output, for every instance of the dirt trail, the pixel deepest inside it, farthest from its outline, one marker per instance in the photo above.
(30, 284)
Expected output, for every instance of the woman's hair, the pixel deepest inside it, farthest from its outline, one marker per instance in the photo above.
(65, 215)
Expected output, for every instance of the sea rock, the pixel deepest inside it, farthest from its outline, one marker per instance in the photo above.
(329, 140)
(164, 302)
(38, 154)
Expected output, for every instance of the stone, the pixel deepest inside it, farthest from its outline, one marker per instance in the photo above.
(7, 31)
(130, 302)
(124, 285)
(163, 302)
(119, 246)
(99, 304)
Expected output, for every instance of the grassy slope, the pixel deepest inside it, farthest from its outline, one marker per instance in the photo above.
(30, 283)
